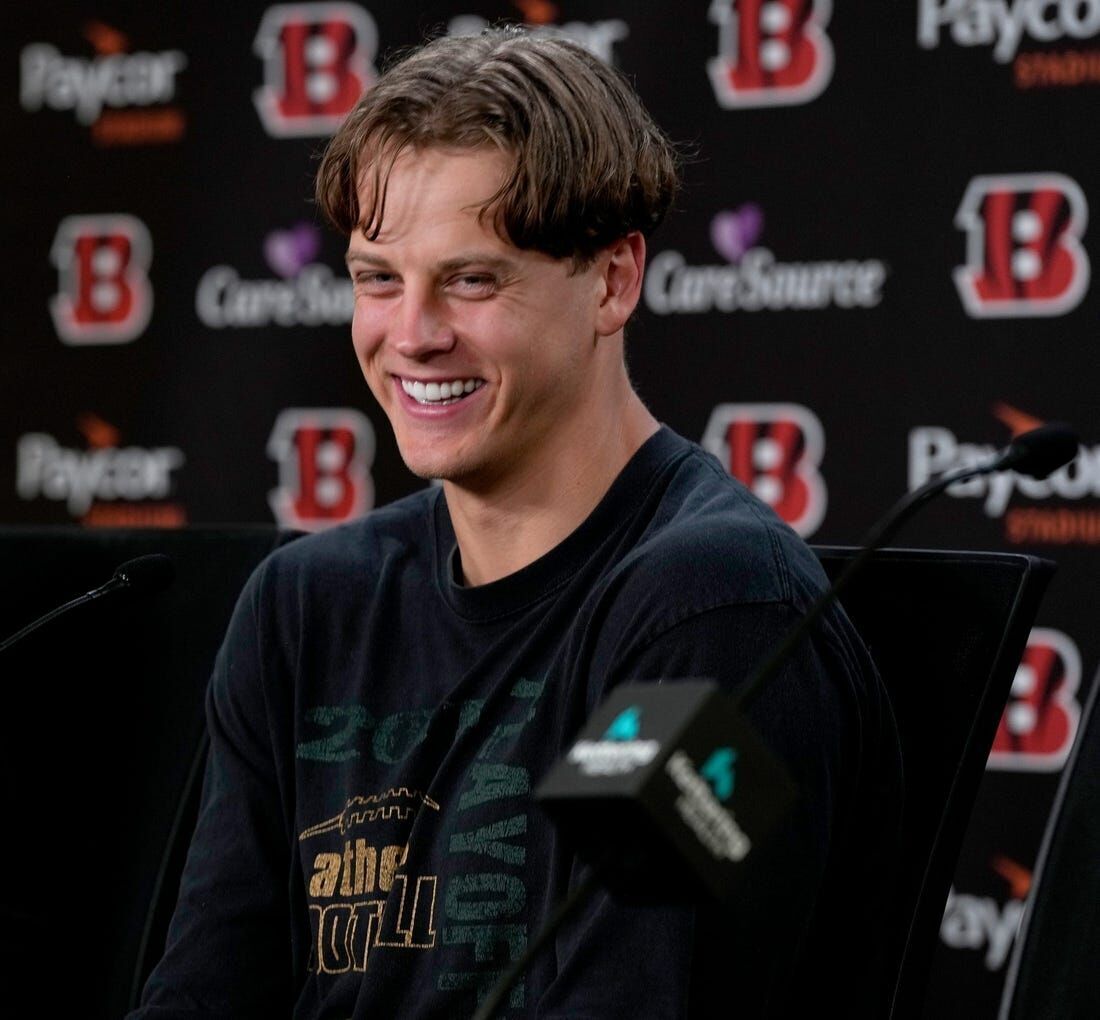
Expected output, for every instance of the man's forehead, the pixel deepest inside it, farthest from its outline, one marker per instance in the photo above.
(452, 185)
(486, 165)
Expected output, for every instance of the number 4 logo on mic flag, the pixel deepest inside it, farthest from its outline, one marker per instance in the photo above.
(718, 771)
(626, 725)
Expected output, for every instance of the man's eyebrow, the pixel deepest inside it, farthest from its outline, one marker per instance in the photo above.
(483, 260)
(365, 258)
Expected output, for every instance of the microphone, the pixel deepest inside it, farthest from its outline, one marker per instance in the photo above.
(695, 780)
(1037, 453)
(144, 575)
(1041, 451)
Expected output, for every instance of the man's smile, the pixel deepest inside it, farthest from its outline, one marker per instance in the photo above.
(438, 393)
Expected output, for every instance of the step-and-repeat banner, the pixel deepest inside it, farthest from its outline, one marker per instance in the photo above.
(879, 269)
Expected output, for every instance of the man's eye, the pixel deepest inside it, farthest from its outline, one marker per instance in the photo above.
(375, 282)
(473, 283)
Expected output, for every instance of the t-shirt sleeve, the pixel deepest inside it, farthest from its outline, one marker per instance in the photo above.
(658, 962)
(228, 953)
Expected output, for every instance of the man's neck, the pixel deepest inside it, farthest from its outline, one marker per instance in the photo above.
(526, 516)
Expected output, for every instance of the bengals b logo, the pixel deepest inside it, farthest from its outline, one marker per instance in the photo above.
(324, 457)
(318, 60)
(775, 450)
(1040, 720)
(770, 52)
(1023, 249)
(104, 296)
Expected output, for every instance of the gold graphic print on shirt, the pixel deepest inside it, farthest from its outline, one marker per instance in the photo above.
(401, 912)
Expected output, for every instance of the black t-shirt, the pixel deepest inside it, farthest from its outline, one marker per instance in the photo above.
(367, 845)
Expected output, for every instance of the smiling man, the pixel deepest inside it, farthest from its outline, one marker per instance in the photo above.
(390, 691)
(501, 370)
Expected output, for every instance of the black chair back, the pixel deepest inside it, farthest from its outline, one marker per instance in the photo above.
(1053, 971)
(947, 631)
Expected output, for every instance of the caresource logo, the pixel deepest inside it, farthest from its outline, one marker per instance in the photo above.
(775, 450)
(1040, 721)
(122, 97)
(1023, 249)
(302, 293)
(105, 485)
(324, 457)
(770, 52)
(318, 60)
(752, 279)
(104, 295)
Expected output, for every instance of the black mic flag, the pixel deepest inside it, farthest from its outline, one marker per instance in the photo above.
(663, 771)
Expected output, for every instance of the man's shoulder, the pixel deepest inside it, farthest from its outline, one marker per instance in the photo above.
(712, 541)
(359, 547)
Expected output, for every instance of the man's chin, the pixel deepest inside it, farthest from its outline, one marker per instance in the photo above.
(463, 473)
(434, 469)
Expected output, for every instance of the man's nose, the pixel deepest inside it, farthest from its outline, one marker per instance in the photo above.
(419, 327)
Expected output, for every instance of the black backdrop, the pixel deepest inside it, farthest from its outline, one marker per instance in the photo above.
(879, 267)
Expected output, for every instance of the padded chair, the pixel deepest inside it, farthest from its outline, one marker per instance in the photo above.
(102, 727)
(1053, 973)
(947, 631)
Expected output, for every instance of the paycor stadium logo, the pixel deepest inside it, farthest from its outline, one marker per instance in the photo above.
(123, 98)
(1074, 490)
(106, 484)
(1031, 35)
(987, 925)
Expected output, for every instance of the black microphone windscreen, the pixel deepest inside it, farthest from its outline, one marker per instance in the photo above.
(147, 574)
(1042, 451)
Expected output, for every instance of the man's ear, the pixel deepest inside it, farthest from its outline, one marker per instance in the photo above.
(622, 266)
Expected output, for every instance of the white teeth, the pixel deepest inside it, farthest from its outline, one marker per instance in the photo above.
(438, 393)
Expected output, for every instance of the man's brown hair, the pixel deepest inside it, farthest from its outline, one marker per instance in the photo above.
(590, 165)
